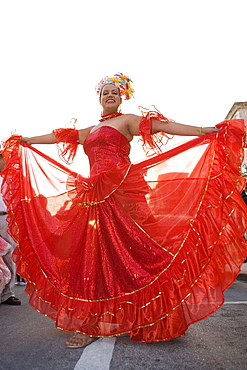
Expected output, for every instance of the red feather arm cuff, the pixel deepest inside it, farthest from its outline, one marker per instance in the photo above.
(152, 143)
(68, 140)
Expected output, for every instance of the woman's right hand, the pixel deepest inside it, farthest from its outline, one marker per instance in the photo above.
(25, 140)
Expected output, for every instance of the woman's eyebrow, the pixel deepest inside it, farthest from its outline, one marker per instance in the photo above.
(107, 90)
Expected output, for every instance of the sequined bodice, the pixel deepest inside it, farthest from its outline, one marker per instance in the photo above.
(106, 147)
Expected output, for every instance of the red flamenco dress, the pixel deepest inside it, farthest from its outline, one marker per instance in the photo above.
(145, 249)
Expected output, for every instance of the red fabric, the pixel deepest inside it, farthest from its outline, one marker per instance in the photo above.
(146, 249)
(152, 143)
(69, 139)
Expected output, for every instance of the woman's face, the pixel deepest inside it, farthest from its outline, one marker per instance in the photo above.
(110, 98)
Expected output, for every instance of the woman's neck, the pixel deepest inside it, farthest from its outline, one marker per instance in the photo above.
(108, 111)
(109, 115)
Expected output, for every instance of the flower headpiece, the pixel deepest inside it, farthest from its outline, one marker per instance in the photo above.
(122, 82)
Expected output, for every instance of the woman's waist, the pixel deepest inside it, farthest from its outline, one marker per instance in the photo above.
(98, 165)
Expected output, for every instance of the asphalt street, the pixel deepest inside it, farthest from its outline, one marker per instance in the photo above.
(30, 341)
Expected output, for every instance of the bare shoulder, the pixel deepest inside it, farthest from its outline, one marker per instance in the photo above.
(83, 133)
(129, 117)
(133, 123)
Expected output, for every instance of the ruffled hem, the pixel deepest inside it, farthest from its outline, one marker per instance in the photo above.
(161, 313)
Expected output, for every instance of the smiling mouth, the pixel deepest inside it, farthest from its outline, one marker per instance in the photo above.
(110, 101)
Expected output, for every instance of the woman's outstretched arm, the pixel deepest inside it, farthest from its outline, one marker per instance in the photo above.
(175, 128)
(170, 127)
(43, 139)
(51, 138)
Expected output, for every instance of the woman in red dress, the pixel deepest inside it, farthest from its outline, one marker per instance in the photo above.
(143, 249)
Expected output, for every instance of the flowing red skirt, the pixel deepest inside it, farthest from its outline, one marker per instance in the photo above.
(146, 249)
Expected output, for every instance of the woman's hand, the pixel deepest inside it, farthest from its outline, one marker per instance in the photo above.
(25, 140)
(208, 130)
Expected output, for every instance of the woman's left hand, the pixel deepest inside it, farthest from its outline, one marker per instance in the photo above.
(209, 130)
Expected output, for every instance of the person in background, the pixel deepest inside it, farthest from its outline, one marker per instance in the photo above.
(7, 295)
(244, 196)
(4, 271)
(19, 280)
